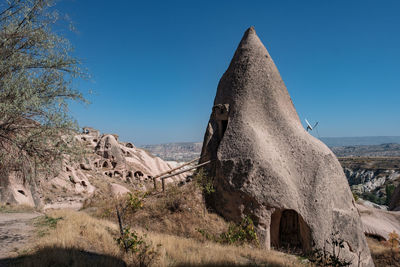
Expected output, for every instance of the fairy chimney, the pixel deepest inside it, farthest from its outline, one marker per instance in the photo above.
(266, 166)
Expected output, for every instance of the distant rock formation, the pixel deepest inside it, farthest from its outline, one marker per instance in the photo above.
(266, 166)
(71, 182)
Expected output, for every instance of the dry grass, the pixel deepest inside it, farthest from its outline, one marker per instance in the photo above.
(16, 208)
(179, 211)
(178, 251)
(81, 240)
(383, 255)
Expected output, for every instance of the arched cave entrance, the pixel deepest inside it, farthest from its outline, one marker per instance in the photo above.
(290, 231)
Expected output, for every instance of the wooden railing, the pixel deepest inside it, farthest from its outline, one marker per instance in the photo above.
(167, 174)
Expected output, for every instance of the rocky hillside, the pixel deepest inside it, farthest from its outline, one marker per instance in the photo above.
(176, 151)
(108, 165)
(383, 150)
(373, 179)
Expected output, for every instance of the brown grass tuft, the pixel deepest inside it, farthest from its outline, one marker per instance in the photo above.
(383, 255)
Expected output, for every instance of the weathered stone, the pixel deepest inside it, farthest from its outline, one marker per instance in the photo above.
(109, 148)
(118, 190)
(377, 222)
(266, 166)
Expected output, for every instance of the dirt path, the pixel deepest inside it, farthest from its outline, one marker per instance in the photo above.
(16, 229)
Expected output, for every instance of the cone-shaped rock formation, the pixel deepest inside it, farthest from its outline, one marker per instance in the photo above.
(266, 166)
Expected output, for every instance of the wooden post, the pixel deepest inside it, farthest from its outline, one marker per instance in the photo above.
(163, 184)
(155, 184)
(177, 173)
(177, 168)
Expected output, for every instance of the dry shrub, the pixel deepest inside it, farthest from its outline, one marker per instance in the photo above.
(381, 254)
(178, 211)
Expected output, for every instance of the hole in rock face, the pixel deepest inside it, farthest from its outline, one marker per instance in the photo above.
(288, 230)
(114, 164)
(21, 192)
(130, 145)
(138, 174)
(224, 125)
(221, 115)
(105, 164)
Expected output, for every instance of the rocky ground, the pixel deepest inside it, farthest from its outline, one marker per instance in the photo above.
(16, 230)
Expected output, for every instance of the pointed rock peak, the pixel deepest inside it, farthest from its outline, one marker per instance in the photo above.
(251, 42)
(250, 30)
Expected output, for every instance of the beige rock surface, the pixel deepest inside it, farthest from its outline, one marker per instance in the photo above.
(266, 166)
(118, 190)
(378, 223)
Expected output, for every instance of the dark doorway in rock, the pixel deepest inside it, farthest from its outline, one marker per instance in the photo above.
(289, 231)
(224, 125)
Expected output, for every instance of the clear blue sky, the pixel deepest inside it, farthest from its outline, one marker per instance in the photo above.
(156, 64)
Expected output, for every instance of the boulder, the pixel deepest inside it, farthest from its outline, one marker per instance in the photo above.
(118, 190)
(264, 164)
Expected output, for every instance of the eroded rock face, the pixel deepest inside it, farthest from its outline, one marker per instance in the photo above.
(377, 222)
(266, 166)
(70, 183)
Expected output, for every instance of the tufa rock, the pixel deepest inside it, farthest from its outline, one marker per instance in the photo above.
(377, 222)
(109, 148)
(118, 190)
(266, 166)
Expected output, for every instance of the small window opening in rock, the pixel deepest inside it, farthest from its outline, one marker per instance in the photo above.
(138, 174)
(129, 175)
(114, 164)
(22, 192)
(83, 183)
(117, 174)
(95, 140)
(224, 125)
(105, 164)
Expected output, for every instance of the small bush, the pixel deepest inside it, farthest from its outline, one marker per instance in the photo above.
(322, 257)
(237, 234)
(393, 242)
(204, 182)
(389, 193)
